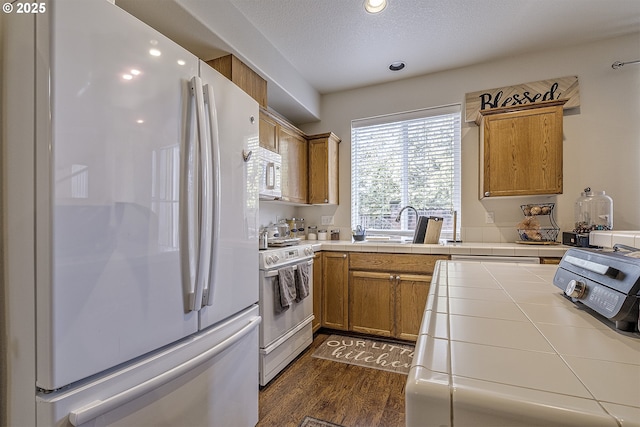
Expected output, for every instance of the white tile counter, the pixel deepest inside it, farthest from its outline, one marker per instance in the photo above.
(494, 249)
(500, 346)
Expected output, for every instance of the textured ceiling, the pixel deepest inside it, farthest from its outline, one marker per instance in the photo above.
(305, 48)
(336, 45)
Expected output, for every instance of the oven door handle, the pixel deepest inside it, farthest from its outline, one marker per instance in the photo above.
(274, 272)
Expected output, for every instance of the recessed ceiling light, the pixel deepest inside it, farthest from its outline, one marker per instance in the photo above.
(375, 6)
(397, 66)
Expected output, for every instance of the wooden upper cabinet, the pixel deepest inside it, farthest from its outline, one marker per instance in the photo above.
(323, 169)
(521, 150)
(269, 129)
(293, 149)
(243, 76)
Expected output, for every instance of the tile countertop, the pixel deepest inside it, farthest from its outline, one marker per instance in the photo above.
(500, 345)
(495, 249)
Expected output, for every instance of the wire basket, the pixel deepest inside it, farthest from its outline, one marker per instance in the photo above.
(538, 234)
(535, 209)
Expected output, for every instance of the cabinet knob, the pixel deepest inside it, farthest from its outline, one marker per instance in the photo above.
(487, 194)
(391, 277)
(397, 277)
(326, 200)
(344, 255)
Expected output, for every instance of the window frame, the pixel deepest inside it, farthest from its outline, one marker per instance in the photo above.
(424, 114)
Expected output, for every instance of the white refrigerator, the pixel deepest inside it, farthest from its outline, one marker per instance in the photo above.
(130, 215)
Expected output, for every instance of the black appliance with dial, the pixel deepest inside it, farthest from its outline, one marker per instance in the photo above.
(606, 282)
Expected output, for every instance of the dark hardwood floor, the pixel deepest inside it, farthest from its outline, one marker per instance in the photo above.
(343, 394)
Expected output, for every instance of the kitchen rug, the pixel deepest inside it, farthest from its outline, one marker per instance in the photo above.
(386, 356)
(314, 422)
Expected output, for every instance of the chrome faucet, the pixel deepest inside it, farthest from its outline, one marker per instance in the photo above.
(405, 208)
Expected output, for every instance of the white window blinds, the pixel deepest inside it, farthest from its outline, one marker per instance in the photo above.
(406, 159)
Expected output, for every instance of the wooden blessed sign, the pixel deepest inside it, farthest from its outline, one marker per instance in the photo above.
(527, 93)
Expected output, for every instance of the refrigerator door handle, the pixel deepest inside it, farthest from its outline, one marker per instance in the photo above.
(101, 407)
(214, 234)
(197, 240)
(190, 199)
(208, 199)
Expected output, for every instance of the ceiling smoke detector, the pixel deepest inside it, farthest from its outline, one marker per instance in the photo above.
(375, 6)
(397, 66)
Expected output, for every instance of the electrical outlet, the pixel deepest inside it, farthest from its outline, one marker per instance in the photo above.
(327, 220)
(490, 217)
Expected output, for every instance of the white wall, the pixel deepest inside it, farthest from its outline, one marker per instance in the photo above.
(601, 137)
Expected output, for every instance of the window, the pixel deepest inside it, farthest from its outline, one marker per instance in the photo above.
(406, 159)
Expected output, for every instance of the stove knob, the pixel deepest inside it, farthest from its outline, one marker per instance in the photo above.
(276, 258)
(269, 260)
(575, 289)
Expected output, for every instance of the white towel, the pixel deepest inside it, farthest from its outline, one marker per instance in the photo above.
(302, 281)
(285, 289)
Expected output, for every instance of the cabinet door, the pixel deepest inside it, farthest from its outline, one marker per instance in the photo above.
(371, 303)
(335, 301)
(293, 148)
(323, 169)
(521, 152)
(318, 291)
(268, 133)
(411, 300)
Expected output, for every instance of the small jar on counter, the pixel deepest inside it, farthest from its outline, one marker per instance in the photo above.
(322, 234)
(335, 234)
(312, 233)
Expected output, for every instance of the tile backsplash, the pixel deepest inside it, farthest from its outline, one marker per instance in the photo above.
(609, 238)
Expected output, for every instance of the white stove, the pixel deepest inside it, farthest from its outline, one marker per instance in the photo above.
(277, 257)
(284, 334)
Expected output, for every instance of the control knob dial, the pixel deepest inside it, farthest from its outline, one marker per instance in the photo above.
(575, 289)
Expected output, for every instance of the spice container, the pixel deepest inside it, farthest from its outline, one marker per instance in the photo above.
(322, 234)
(312, 233)
(335, 234)
(293, 228)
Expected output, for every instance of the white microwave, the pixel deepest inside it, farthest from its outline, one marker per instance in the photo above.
(270, 174)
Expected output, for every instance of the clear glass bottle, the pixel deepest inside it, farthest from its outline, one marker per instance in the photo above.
(601, 211)
(593, 211)
(312, 233)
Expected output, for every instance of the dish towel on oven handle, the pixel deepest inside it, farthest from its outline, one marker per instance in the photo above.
(302, 281)
(285, 289)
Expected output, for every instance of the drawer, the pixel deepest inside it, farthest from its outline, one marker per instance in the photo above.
(400, 263)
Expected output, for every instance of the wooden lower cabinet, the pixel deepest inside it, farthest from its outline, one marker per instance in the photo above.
(318, 291)
(335, 295)
(371, 303)
(411, 298)
(373, 293)
(387, 304)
